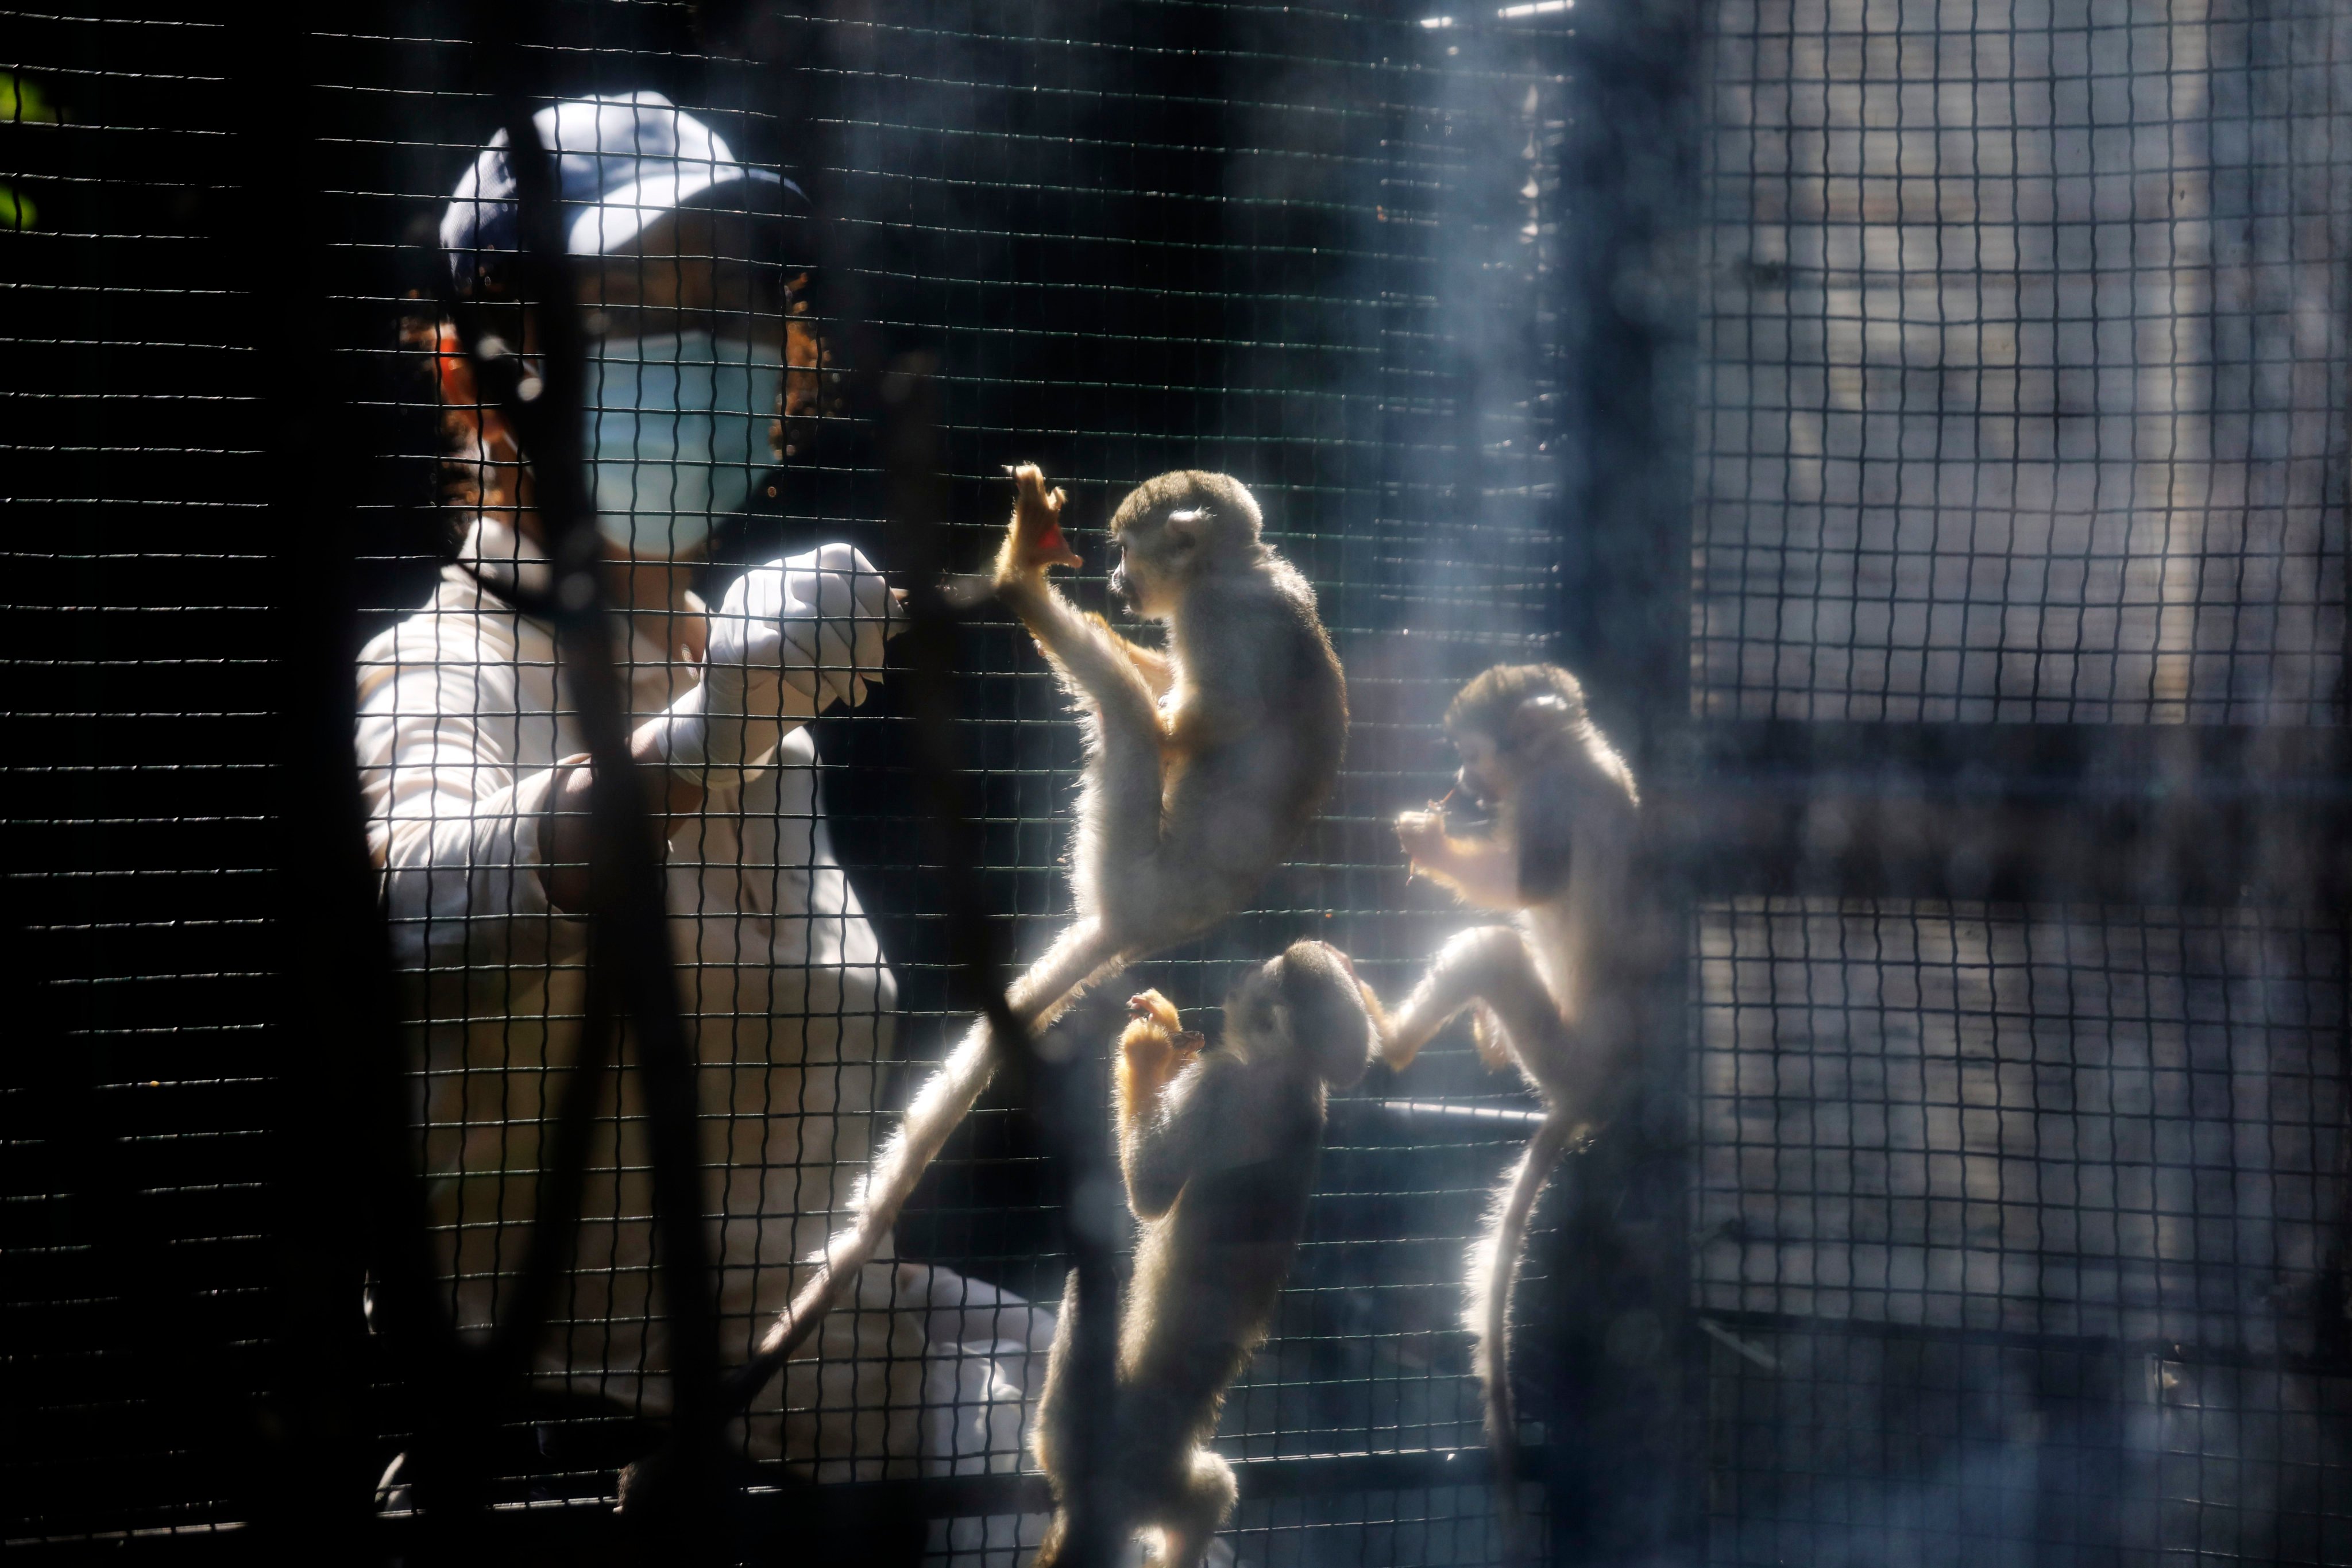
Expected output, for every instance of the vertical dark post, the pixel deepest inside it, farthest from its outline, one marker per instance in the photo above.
(630, 972)
(1623, 1457)
(1628, 309)
(629, 941)
(350, 1207)
(1058, 1089)
(1069, 1105)
(901, 402)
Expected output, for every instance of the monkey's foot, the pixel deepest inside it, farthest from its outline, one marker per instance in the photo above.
(1034, 542)
(1383, 1035)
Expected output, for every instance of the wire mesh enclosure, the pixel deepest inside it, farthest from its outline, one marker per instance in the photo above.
(1922, 428)
(1979, 1183)
(2017, 404)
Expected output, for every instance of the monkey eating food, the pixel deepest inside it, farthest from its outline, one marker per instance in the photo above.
(1558, 992)
(1219, 1147)
(1206, 761)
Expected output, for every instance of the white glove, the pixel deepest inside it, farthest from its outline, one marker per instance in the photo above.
(788, 640)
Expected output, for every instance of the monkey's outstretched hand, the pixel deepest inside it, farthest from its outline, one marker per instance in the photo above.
(1034, 541)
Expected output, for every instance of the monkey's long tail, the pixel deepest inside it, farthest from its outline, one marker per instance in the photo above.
(1080, 958)
(1494, 1269)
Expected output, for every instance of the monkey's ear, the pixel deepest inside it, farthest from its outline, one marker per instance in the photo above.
(1547, 714)
(1185, 527)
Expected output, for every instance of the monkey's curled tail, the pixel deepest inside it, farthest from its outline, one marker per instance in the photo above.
(1494, 1269)
(1080, 958)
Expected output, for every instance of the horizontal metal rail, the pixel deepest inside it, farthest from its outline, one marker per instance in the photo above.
(774, 1506)
(2125, 813)
(777, 1510)
(1725, 1326)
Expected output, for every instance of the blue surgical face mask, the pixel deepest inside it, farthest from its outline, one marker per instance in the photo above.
(677, 433)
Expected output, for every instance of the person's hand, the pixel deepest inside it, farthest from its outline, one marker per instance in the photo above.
(834, 603)
(787, 641)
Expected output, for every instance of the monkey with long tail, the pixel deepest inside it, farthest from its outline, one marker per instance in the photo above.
(1559, 993)
(1206, 761)
(1219, 1144)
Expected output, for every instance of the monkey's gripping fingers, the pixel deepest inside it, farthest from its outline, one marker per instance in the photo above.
(1155, 1049)
(1034, 541)
(1151, 1005)
(1422, 834)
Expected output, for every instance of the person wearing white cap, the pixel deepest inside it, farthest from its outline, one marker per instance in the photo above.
(476, 781)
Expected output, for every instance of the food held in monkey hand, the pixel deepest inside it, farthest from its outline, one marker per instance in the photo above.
(1422, 835)
(1153, 1050)
(1032, 541)
(1151, 1005)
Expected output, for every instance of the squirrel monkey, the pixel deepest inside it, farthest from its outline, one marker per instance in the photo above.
(1206, 761)
(1557, 992)
(1219, 1146)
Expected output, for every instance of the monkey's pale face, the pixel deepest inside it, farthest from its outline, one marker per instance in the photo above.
(1482, 776)
(1124, 582)
(1155, 557)
(1311, 995)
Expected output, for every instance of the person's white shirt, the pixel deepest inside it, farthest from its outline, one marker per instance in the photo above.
(789, 1003)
